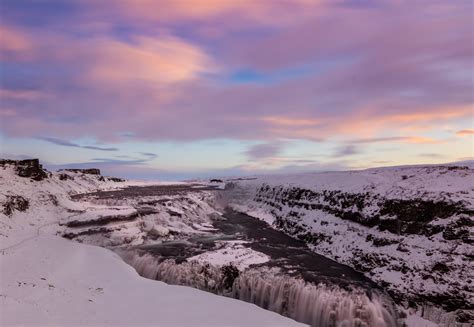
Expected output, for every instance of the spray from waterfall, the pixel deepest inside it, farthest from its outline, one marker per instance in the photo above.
(316, 305)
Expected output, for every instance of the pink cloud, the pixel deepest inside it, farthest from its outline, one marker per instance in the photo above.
(465, 132)
(378, 81)
(161, 60)
(14, 44)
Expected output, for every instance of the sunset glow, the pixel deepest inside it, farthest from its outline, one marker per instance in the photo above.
(182, 89)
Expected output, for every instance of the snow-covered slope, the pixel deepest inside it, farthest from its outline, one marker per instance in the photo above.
(48, 280)
(410, 229)
(30, 206)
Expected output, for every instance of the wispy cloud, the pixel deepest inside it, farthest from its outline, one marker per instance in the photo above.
(432, 155)
(121, 162)
(346, 150)
(264, 150)
(61, 142)
(407, 139)
(164, 76)
(149, 155)
(465, 132)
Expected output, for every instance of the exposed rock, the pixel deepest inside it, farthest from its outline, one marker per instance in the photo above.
(459, 230)
(230, 273)
(412, 216)
(71, 235)
(383, 241)
(435, 228)
(102, 220)
(116, 179)
(13, 203)
(396, 216)
(87, 171)
(65, 177)
(27, 168)
(440, 267)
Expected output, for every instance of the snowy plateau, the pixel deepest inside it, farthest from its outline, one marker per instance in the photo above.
(79, 248)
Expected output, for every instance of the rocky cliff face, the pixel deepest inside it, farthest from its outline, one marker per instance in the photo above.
(29, 168)
(87, 171)
(416, 240)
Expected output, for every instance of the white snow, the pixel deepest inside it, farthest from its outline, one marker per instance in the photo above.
(233, 252)
(54, 282)
(404, 182)
(47, 280)
(346, 239)
(416, 321)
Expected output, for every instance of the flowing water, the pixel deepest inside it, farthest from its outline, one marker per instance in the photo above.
(296, 282)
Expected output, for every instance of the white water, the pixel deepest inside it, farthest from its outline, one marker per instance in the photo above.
(317, 305)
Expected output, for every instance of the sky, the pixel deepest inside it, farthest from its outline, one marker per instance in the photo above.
(176, 89)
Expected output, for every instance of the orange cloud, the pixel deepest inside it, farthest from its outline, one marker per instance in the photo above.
(366, 126)
(13, 43)
(157, 10)
(465, 132)
(404, 139)
(159, 61)
(293, 122)
(430, 115)
(370, 122)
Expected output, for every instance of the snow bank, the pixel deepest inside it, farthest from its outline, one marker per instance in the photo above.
(47, 280)
(232, 253)
(52, 281)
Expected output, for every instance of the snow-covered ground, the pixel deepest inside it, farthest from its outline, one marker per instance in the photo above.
(232, 253)
(410, 229)
(48, 280)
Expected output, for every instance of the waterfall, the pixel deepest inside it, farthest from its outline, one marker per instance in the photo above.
(317, 305)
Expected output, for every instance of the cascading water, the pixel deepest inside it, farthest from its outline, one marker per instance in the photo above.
(317, 305)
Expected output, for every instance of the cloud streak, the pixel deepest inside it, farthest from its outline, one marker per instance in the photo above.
(394, 139)
(465, 132)
(61, 142)
(347, 150)
(264, 151)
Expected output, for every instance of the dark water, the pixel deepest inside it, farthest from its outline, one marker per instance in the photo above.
(293, 257)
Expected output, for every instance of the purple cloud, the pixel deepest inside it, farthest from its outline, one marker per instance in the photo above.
(329, 70)
(265, 150)
(347, 150)
(74, 145)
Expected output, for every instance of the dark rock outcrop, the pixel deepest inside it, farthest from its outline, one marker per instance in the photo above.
(401, 217)
(30, 168)
(389, 226)
(116, 179)
(15, 203)
(65, 177)
(104, 220)
(87, 171)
